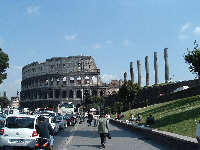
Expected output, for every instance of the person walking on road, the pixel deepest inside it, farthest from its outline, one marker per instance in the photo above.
(103, 129)
(90, 118)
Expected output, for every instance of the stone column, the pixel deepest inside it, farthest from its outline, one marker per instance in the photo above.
(147, 70)
(54, 94)
(131, 72)
(166, 65)
(125, 77)
(139, 72)
(156, 67)
(74, 94)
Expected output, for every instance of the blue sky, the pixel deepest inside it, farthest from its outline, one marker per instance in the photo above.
(114, 32)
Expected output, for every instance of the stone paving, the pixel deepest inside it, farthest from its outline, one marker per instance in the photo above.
(87, 138)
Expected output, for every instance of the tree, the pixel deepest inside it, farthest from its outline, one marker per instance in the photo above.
(193, 59)
(3, 65)
(4, 102)
(128, 93)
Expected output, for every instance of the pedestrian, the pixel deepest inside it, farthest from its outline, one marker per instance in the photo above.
(118, 116)
(90, 118)
(103, 129)
(198, 134)
(150, 120)
(131, 118)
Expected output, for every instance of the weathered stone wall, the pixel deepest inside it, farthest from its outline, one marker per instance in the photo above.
(158, 94)
(61, 79)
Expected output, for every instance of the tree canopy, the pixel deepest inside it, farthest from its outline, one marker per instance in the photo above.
(193, 59)
(3, 65)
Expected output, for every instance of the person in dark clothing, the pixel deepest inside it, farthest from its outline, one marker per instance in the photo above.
(90, 118)
(45, 130)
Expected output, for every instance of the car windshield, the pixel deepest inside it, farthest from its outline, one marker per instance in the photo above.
(59, 118)
(20, 122)
(67, 105)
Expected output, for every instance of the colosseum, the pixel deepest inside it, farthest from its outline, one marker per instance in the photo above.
(60, 79)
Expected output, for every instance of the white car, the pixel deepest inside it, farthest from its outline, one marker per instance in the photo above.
(19, 131)
(53, 123)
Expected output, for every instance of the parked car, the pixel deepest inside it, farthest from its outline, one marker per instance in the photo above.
(61, 121)
(19, 131)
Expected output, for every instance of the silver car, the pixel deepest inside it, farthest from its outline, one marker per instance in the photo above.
(61, 121)
(19, 130)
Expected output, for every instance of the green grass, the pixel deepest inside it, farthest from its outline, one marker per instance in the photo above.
(178, 116)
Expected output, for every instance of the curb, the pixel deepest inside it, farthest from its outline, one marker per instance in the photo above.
(177, 142)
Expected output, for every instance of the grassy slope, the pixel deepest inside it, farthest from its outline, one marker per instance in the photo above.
(178, 116)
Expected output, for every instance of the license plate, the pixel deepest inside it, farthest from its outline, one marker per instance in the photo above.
(17, 140)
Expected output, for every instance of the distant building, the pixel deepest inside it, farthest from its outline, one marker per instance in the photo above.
(113, 87)
(14, 102)
(59, 80)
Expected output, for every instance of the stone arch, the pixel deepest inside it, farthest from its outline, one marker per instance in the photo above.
(87, 80)
(57, 93)
(64, 94)
(101, 93)
(78, 94)
(94, 92)
(64, 80)
(78, 80)
(86, 93)
(71, 80)
(94, 80)
(71, 94)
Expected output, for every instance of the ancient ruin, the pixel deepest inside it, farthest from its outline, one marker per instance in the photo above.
(60, 79)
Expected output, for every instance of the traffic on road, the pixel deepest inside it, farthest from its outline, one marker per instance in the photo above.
(19, 129)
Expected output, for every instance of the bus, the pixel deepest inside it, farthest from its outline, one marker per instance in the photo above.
(67, 108)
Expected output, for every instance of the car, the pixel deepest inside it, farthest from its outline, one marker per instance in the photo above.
(61, 121)
(19, 131)
(73, 118)
(69, 120)
(2, 121)
(53, 123)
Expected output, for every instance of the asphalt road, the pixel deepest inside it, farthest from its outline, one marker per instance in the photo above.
(62, 137)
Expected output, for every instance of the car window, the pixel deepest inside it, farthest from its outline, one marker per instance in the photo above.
(11, 112)
(20, 122)
(6, 112)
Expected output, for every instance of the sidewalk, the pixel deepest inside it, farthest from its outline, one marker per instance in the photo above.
(87, 138)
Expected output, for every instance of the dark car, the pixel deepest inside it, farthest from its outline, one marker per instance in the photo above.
(73, 118)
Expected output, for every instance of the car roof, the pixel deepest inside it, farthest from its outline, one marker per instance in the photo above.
(23, 115)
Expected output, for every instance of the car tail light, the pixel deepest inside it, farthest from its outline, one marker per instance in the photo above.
(36, 145)
(34, 134)
(45, 144)
(1, 131)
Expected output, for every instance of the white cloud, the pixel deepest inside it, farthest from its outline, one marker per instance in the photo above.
(126, 43)
(108, 42)
(183, 30)
(197, 30)
(70, 37)
(33, 10)
(107, 78)
(185, 27)
(96, 46)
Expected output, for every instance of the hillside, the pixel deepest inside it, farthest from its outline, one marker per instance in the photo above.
(178, 116)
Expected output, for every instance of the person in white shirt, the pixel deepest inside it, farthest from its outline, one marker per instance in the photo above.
(198, 134)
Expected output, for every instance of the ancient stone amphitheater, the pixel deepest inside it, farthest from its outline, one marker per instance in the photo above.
(60, 79)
